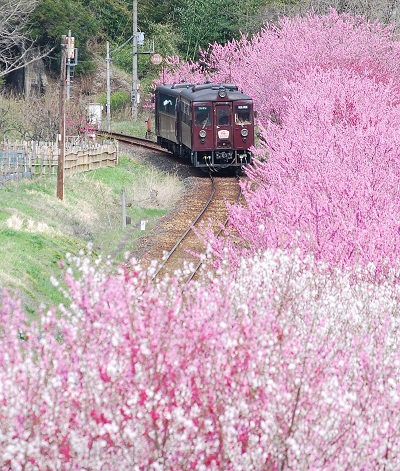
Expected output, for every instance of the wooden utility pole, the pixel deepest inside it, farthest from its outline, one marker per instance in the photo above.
(68, 62)
(61, 137)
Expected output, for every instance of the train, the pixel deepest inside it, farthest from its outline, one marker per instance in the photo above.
(212, 124)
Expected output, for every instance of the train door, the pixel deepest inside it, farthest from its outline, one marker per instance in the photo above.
(224, 125)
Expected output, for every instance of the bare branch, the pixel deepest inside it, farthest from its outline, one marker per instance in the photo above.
(17, 49)
(385, 11)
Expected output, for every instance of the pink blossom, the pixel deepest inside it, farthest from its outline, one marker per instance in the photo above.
(282, 365)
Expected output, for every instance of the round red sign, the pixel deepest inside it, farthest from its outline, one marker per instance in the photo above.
(156, 59)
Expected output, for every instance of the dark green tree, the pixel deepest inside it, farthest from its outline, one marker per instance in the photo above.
(204, 22)
(54, 18)
(157, 12)
(155, 19)
(114, 18)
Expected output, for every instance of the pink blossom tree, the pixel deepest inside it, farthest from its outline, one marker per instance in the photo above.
(330, 183)
(266, 63)
(279, 364)
(327, 91)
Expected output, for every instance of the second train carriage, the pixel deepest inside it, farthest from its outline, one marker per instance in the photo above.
(210, 124)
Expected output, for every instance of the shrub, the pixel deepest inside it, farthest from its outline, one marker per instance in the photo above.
(118, 100)
(281, 365)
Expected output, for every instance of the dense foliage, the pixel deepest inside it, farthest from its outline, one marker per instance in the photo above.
(175, 27)
(54, 18)
(326, 91)
(209, 21)
(277, 365)
(287, 355)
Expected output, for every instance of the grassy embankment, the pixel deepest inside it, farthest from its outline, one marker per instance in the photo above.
(37, 229)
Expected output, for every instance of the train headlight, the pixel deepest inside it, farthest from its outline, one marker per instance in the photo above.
(244, 132)
(222, 93)
(202, 134)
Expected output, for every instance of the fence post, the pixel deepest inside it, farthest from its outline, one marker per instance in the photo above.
(123, 209)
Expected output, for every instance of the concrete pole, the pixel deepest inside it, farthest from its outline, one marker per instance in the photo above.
(134, 63)
(61, 137)
(108, 60)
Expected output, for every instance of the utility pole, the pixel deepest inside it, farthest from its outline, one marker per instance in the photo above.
(108, 60)
(69, 46)
(61, 137)
(134, 97)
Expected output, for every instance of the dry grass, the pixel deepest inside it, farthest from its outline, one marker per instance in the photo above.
(20, 223)
(154, 190)
(37, 229)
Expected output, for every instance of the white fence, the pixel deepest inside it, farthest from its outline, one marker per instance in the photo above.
(28, 159)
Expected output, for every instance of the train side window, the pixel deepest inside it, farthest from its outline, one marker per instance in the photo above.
(186, 114)
(242, 116)
(166, 104)
(202, 116)
(223, 117)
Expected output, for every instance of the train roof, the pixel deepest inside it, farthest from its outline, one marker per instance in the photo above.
(204, 91)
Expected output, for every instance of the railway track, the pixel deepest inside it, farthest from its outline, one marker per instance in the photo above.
(136, 141)
(175, 245)
(211, 209)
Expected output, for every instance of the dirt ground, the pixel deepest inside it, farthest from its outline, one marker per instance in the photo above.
(151, 245)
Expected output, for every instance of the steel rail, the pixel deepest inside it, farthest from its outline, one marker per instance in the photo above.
(197, 267)
(137, 141)
(192, 224)
(148, 144)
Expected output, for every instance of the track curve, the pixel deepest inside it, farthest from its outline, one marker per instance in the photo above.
(174, 244)
(136, 141)
(185, 254)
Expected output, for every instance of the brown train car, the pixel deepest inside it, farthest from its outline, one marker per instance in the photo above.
(210, 124)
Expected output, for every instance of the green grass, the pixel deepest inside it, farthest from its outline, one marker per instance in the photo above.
(37, 229)
(137, 128)
(28, 260)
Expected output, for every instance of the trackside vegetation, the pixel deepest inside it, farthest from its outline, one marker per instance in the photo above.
(285, 355)
(37, 230)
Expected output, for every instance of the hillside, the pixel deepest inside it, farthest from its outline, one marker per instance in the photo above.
(37, 230)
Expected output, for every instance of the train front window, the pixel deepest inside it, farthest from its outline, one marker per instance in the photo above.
(202, 116)
(223, 117)
(243, 115)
